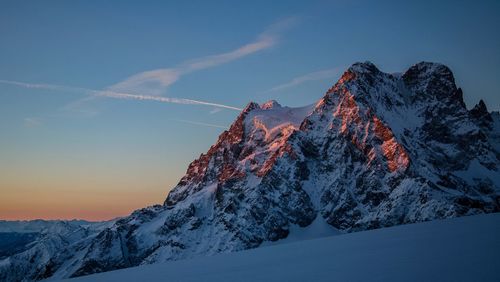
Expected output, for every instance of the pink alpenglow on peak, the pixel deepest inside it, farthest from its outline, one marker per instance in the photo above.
(377, 150)
(270, 105)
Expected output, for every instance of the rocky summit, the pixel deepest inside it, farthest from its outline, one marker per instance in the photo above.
(377, 150)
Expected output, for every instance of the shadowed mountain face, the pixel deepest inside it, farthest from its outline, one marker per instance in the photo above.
(12, 243)
(377, 150)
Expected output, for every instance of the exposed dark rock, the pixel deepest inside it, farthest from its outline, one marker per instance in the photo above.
(377, 150)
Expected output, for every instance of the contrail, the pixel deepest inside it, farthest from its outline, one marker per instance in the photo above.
(200, 123)
(118, 95)
(113, 94)
(158, 80)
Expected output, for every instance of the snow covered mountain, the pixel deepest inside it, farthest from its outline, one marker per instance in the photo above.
(377, 150)
(18, 236)
(43, 226)
(459, 249)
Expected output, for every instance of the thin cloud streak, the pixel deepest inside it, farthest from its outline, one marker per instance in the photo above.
(150, 85)
(215, 110)
(44, 86)
(118, 95)
(31, 122)
(200, 123)
(155, 82)
(183, 101)
(313, 76)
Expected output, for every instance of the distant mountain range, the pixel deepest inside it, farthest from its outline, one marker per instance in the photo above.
(377, 150)
(18, 236)
(41, 226)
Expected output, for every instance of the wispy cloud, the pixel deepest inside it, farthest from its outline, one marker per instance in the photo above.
(313, 76)
(32, 122)
(215, 110)
(200, 123)
(44, 86)
(150, 85)
(155, 82)
(117, 95)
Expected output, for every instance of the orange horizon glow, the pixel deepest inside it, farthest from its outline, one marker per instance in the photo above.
(28, 215)
(90, 188)
(85, 209)
(98, 197)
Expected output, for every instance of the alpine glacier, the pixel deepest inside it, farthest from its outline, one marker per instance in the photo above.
(377, 150)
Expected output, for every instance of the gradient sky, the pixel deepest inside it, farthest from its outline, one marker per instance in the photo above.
(88, 128)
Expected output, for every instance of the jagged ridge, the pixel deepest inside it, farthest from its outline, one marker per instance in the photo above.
(377, 150)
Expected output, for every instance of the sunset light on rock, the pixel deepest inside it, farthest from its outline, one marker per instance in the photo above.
(249, 141)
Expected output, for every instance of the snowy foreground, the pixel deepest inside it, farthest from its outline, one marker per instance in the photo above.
(377, 150)
(460, 249)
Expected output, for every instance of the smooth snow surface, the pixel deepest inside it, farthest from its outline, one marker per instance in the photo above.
(460, 249)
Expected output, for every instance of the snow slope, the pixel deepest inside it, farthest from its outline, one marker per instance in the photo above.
(378, 150)
(460, 249)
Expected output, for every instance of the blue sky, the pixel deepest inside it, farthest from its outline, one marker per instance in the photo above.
(110, 154)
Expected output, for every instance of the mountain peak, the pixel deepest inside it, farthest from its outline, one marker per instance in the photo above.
(431, 67)
(431, 78)
(430, 70)
(271, 104)
(377, 150)
(363, 67)
(480, 108)
(481, 115)
(365, 71)
(250, 107)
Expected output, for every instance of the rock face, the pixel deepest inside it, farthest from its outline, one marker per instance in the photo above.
(377, 150)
